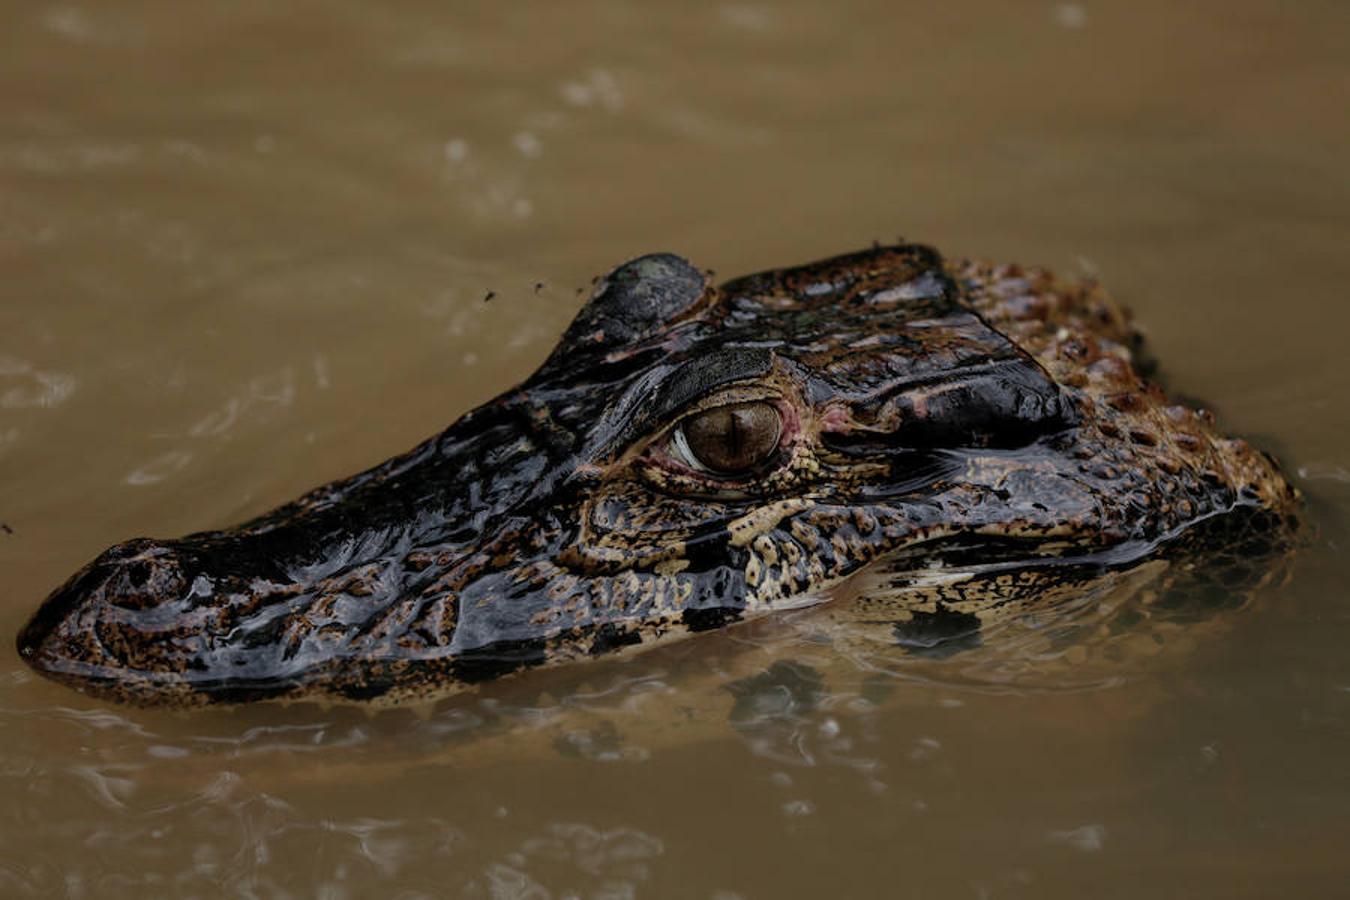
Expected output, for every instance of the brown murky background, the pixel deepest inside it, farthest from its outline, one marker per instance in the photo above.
(244, 249)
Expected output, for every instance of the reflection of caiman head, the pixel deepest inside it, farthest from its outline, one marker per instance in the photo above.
(687, 456)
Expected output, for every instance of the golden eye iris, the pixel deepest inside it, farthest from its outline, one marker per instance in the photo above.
(728, 440)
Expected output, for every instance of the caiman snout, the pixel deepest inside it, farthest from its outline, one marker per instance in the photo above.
(74, 632)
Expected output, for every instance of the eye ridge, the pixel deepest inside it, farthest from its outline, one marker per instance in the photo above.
(732, 439)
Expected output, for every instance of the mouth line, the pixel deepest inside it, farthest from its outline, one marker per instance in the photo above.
(986, 555)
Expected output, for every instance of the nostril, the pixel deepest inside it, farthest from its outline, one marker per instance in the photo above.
(138, 573)
(143, 580)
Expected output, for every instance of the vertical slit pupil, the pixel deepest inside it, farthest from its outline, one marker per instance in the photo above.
(734, 438)
(735, 431)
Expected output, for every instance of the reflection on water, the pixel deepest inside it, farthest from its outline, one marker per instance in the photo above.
(247, 251)
(245, 793)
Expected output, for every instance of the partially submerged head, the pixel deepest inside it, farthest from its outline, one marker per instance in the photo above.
(687, 456)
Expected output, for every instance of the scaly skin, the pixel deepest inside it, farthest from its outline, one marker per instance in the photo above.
(931, 411)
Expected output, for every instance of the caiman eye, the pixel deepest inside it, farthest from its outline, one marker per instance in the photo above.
(729, 440)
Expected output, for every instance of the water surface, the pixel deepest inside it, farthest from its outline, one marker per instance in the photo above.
(246, 249)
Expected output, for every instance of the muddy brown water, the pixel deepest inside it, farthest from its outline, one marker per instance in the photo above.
(245, 249)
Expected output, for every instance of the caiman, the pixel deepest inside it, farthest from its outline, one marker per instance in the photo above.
(690, 456)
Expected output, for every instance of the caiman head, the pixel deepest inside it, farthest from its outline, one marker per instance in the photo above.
(687, 457)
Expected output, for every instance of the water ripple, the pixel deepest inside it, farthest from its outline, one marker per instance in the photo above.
(34, 388)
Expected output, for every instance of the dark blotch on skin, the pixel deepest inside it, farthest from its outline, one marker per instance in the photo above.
(376, 681)
(709, 618)
(610, 636)
(496, 660)
(242, 691)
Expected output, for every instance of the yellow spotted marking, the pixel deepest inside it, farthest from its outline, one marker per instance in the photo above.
(758, 521)
(671, 567)
(766, 548)
(753, 569)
